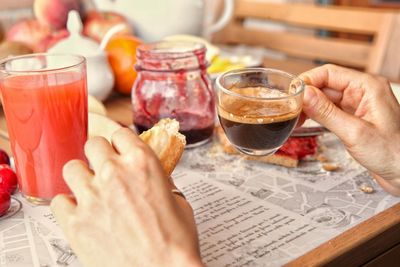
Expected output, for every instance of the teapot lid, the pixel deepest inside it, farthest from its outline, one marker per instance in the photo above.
(76, 43)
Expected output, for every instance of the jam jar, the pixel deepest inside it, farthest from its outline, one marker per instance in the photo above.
(172, 82)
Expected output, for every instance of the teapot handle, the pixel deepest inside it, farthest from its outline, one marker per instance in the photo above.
(224, 19)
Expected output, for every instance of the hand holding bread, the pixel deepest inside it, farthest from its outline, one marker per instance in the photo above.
(124, 211)
(163, 138)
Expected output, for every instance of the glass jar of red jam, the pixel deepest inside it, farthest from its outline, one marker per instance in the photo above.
(172, 82)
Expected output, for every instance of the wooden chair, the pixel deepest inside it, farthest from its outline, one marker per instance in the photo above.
(378, 53)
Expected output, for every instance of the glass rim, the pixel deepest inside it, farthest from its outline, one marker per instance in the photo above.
(265, 70)
(81, 61)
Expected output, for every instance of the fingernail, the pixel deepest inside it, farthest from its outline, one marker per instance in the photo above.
(306, 79)
(309, 95)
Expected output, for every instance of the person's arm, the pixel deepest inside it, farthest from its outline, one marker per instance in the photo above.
(363, 112)
(124, 213)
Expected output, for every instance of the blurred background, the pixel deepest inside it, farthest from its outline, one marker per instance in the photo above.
(290, 35)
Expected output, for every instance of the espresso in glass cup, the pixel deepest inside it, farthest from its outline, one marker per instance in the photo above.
(258, 108)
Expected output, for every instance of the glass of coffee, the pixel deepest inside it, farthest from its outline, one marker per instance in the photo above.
(258, 108)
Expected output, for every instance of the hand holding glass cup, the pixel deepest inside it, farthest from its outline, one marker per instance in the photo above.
(258, 108)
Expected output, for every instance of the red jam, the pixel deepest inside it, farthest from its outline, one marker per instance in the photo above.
(172, 82)
(299, 147)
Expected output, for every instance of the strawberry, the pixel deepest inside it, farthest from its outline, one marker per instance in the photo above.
(4, 159)
(8, 179)
(5, 201)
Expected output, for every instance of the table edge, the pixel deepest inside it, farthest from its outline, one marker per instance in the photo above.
(359, 244)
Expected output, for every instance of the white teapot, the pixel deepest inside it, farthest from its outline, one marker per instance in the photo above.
(100, 78)
(155, 19)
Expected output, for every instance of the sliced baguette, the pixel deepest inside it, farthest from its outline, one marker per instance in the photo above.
(163, 138)
(95, 106)
(166, 141)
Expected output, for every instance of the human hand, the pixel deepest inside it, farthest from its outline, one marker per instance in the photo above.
(124, 213)
(363, 112)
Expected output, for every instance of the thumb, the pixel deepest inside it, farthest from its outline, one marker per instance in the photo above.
(319, 108)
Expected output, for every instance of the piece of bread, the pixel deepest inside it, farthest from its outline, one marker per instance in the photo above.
(166, 141)
(95, 106)
(278, 159)
(163, 138)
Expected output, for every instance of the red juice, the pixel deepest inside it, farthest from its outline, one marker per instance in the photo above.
(47, 122)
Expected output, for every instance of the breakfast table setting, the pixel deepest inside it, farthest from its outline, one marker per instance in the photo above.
(331, 210)
(300, 200)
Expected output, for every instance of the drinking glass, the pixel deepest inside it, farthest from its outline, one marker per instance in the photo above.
(45, 105)
(258, 108)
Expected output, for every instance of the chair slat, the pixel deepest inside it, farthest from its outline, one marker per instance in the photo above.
(378, 53)
(352, 20)
(292, 66)
(348, 52)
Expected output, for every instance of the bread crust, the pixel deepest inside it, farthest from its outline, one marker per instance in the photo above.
(277, 159)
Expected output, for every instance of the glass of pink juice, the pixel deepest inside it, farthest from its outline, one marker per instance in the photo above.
(45, 104)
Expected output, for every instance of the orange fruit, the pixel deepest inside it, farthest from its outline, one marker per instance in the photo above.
(121, 52)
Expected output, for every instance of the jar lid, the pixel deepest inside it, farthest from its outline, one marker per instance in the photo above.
(76, 43)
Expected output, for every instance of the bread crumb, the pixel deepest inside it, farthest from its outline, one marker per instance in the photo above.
(322, 158)
(215, 149)
(330, 167)
(367, 189)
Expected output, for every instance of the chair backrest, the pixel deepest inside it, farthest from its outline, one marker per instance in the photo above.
(378, 53)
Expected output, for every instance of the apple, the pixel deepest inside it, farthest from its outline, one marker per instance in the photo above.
(98, 23)
(5, 202)
(54, 38)
(8, 179)
(36, 36)
(10, 48)
(54, 13)
(29, 32)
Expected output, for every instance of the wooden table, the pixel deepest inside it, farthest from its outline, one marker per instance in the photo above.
(374, 242)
